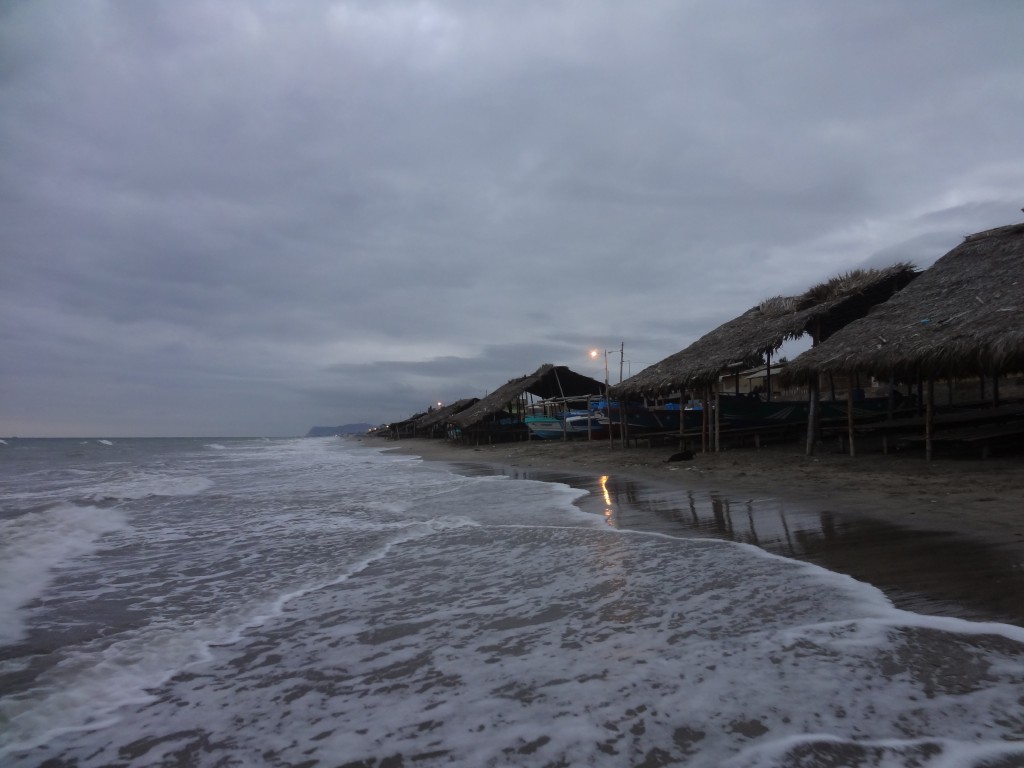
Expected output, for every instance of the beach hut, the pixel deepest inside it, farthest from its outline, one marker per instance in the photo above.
(752, 338)
(405, 428)
(498, 416)
(962, 317)
(433, 423)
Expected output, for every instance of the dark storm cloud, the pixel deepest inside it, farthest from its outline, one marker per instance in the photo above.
(245, 217)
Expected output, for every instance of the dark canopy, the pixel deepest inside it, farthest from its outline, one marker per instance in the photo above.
(963, 316)
(746, 340)
(547, 381)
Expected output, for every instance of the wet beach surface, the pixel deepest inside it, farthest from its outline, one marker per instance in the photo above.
(932, 572)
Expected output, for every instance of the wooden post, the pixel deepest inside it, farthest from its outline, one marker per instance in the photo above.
(849, 418)
(995, 389)
(768, 378)
(704, 425)
(623, 424)
(892, 397)
(813, 388)
(812, 412)
(928, 410)
(682, 416)
(718, 419)
(608, 402)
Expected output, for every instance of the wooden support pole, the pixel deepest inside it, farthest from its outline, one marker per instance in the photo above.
(718, 420)
(608, 404)
(929, 413)
(892, 400)
(812, 413)
(849, 418)
(704, 424)
(682, 415)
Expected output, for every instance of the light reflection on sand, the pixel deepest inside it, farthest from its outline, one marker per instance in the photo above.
(930, 572)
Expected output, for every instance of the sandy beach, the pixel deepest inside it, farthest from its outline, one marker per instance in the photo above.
(943, 537)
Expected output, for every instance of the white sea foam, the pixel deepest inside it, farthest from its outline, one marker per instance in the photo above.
(104, 442)
(331, 604)
(33, 545)
(521, 646)
(142, 484)
(89, 689)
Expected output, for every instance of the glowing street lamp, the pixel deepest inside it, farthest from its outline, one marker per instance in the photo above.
(594, 353)
(607, 393)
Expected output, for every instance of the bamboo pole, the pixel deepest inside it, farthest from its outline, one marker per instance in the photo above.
(849, 418)
(929, 414)
(608, 406)
(682, 416)
(718, 419)
(812, 413)
(623, 425)
(704, 421)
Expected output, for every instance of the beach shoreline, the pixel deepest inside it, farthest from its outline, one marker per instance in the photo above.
(940, 536)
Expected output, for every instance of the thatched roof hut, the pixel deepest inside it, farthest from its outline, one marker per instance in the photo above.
(963, 316)
(759, 332)
(441, 415)
(405, 428)
(547, 381)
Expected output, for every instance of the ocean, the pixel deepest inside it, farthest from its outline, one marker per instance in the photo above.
(325, 602)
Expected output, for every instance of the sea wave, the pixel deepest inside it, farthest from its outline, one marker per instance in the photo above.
(33, 545)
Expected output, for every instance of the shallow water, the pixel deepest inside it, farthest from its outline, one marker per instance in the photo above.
(927, 571)
(318, 602)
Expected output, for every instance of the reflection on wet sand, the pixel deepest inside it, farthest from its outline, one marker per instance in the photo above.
(932, 572)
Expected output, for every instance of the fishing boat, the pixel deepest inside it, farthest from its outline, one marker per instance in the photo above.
(640, 419)
(584, 424)
(545, 427)
(565, 418)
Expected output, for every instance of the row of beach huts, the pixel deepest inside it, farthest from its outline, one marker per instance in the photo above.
(899, 357)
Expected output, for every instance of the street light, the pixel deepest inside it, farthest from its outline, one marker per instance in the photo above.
(594, 353)
(607, 393)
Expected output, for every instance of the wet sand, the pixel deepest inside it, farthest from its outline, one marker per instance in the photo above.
(945, 537)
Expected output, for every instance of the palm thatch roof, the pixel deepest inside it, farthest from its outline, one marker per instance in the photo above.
(406, 425)
(963, 316)
(745, 341)
(442, 414)
(547, 381)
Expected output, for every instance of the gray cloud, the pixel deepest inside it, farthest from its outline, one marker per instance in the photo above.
(245, 217)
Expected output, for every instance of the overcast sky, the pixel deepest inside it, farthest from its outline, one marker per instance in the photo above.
(248, 217)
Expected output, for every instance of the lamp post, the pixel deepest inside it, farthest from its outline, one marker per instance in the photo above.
(607, 394)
